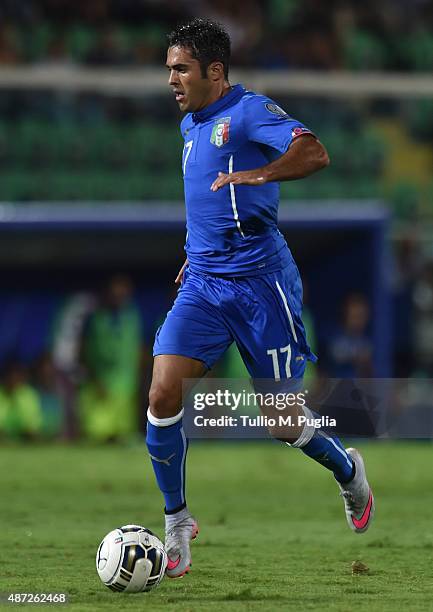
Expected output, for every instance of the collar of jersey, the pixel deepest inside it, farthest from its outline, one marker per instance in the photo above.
(216, 107)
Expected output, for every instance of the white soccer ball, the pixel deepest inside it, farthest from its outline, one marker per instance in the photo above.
(131, 559)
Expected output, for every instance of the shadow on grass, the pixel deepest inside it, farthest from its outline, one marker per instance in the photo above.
(242, 595)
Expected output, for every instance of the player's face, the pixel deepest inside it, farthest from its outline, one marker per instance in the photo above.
(192, 91)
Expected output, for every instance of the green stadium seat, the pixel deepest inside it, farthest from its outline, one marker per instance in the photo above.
(35, 40)
(419, 50)
(80, 40)
(420, 119)
(405, 199)
(364, 51)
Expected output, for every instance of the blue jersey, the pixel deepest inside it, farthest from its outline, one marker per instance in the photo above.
(233, 231)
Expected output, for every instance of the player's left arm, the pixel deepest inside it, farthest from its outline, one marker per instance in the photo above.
(305, 155)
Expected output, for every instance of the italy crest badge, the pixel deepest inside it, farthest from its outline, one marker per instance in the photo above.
(220, 132)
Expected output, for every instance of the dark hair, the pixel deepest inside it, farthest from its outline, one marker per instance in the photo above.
(207, 41)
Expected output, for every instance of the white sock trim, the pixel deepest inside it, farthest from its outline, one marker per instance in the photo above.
(308, 431)
(172, 519)
(164, 422)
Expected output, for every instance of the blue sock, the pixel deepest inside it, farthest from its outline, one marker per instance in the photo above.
(329, 452)
(168, 445)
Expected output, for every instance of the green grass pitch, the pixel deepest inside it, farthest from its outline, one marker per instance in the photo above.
(273, 532)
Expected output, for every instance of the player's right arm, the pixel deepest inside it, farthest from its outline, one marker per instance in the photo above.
(305, 156)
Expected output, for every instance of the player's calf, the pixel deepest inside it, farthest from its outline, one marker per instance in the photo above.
(347, 466)
(322, 447)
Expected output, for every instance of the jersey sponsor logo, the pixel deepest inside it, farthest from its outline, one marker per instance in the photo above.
(297, 131)
(220, 132)
(276, 110)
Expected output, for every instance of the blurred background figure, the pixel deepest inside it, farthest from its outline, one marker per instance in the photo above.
(350, 350)
(110, 354)
(50, 394)
(408, 262)
(423, 298)
(21, 414)
(65, 345)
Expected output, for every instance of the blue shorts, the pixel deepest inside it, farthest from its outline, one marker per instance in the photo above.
(262, 314)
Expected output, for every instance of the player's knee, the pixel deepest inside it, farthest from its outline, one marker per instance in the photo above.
(278, 434)
(282, 435)
(163, 402)
(293, 427)
(285, 428)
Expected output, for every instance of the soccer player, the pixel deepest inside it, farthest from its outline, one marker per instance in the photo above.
(239, 282)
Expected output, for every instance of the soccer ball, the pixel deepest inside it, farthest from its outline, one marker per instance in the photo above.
(131, 559)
